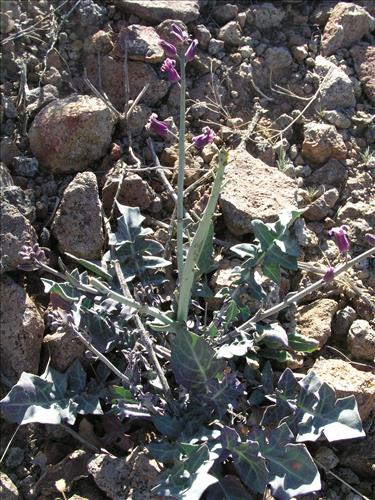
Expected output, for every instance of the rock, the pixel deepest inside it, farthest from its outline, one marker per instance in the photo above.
(203, 35)
(7, 24)
(253, 190)
(321, 207)
(142, 44)
(22, 330)
(39, 97)
(156, 11)
(215, 46)
(347, 380)
(278, 58)
(8, 489)
(327, 457)
(337, 118)
(15, 457)
(337, 90)
(268, 16)
(26, 167)
(225, 13)
(78, 223)
(321, 142)
(359, 216)
(364, 64)
(359, 456)
(15, 231)
(5, 176)
(314, 320)
(99, 42)
(361, 340)
(113, 85)
(347, 24)
(134, 192)
(20, 199)
(138, 119)
(62, 349)
(130, 477)
(333, 173)
(343, 320)
(8, 150)
(69, 134)
(230, 34)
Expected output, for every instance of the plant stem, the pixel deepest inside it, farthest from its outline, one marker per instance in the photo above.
(181, 171)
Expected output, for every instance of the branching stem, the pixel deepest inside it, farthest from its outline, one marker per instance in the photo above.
(181, 171)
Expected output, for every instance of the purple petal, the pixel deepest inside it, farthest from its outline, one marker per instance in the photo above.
(192, 50)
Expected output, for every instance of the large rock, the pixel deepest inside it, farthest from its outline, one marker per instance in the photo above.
(112, 79)
(322, 142)
(69, 134)
(314, 320)
(347, 380)
(337, 90)
(8, 489)
(347, 24)
(253, 190)
(359, 216)
(364, 64)
(156, 11)
(15, 231)
(361, 340)
(333, 173)
(21, 332)
(78, 222)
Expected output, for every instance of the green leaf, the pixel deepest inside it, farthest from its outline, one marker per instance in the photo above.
(51, 399)
(300, 343)
(245, 250)
(164, 452)
(272, 335)
(91, 266)
(193, 361)
(63, 290)
(205, 258)
(119, 393)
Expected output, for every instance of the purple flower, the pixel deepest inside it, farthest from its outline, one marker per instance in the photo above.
(179, 33)
(341, 239)
(192, 50)
(200, 141)
(169, 49)
(169, 68)
(157, 126)
(370, 238)
(329, 274)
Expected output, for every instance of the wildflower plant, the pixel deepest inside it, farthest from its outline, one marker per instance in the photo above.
(195, 378)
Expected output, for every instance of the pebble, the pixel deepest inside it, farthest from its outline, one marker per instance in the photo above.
(327, 457)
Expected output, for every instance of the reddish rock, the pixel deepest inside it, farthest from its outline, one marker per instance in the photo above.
(156, 11)
(314, 320)
(62, 349)
(364, 64)
(69, 134)
(142, 44)
(321, 142)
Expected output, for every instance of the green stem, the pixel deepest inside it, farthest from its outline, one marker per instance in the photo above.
(181, 171)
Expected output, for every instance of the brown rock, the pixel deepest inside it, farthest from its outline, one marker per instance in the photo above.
(364, 64)
(78, 223)
(321, 207)
(314, 320)
(22, 330)
(253, 190)
(142, 44)
(113, 85)
(321, 142)
(69, 134)
(347, 24)
(100, 42)
(361, 340)
(15, 231)
(156, 11)
(63, 348)
(347, 380)
(333, 173)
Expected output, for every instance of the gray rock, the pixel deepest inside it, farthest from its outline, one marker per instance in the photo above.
(5, 176)
(69, 134)
(225, 13)
(347, 24)
(8, 150)
(15, 231)
(8, 489)
(26, 167)
(20, 199)
(39, 97)
(160, 10)
(321, 207)
(215, 46)
(321, 142)
(253, 190)
(333, 173)
(343, 320)
(203, 35)
(359, 216)
(364, 64)
(230, 34)
(8, 108)
(15, 457)
(22, 330)
(360, 457)
(278, 58)
(337, 118)
(142, 44)
(327, 457)
(361, 340)
(267, 16)
(337, 90)
(78, 224)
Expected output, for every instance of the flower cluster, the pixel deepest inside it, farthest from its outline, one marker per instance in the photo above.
(341, 238)
(32, 257)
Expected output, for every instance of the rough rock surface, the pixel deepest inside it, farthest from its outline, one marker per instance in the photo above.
(364, 64)
(8, 489)
(113, 84)
(159, 10)
(333, 173)
(347, 24)
(359, 216)
(361, 340)
(22, 330)
(142, 44)
(267, 16)
(63, 349)
(69, 134)
(359, 456)
(20, 199)
(15, 231)
(314, 320)
(322, 206)
(347, 380)
(321, 142)
(121, 478)
(253, 190)
(78, 224)
(337, 90)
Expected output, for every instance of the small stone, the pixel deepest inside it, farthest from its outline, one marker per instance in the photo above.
(360, 457)
(333, 173)
(8, 489)
(5, 177)
(347, 380)
(361, 340)
(337, 90)
(15, 457)
(230, 34)
(278, 58)
(268, 16)
(359, 216)
(8, 150)
(321, 142)
(300, 52)
(215, 46)
(327, 457)
(20, 199)
(343, 320)
(347, 24)
(142, 44)
(364, 64)
(320, 208)
(78, 223)
(337, 118)
(203, 35)
(314, 320)
(156, 12)
(100, 42)
(26, 167)
(225, 13)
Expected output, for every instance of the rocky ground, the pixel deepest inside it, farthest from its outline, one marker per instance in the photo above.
(291, 82)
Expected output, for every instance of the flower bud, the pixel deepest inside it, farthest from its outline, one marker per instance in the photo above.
(158, 126)
(341, 239)
(329, 274)
(169, 68)
(200, 141)
(192, 50)
(169, 49)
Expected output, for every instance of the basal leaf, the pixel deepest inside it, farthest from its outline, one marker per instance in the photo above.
(223, 393)
(245, 250)
(300, 343)
(91, 266)
(250, 466)
(164, 452)
(271, 335)
(228, 488)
